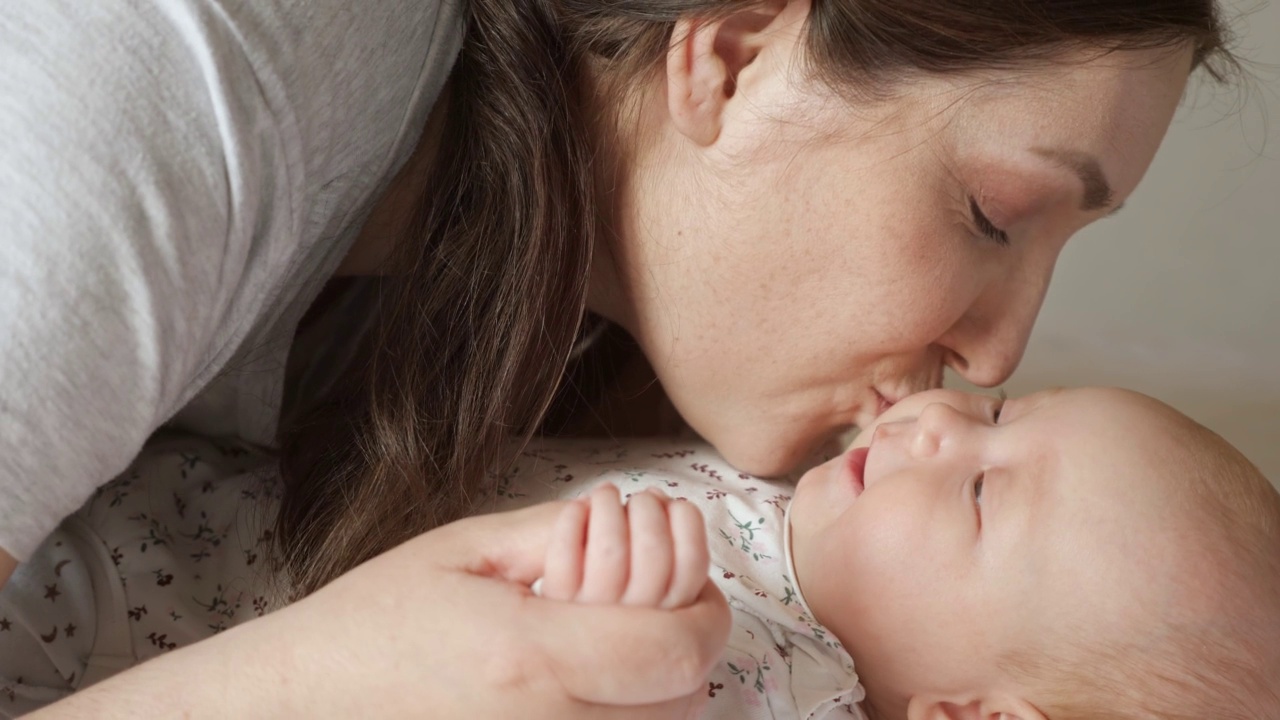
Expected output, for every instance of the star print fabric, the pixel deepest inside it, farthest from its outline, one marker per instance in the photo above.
(780, 663)
(171, 552)
(45, 636)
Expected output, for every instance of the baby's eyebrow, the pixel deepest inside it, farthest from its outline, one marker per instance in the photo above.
(1019, 495)
(1035, 482)
(1021, 492)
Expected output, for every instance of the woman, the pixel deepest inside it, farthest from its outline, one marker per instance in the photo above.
(800, 210)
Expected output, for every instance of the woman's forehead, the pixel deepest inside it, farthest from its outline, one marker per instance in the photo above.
(1104, 108)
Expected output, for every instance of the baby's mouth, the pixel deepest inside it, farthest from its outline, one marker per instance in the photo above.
(856, 464)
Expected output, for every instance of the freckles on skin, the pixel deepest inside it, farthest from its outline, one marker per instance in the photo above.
(829, 259)
(1116, 108)
(1155, 80)
(784, 276)
(906, 256)
(1011, 191)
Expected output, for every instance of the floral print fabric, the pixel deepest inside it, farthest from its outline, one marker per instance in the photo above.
(171, 552)
(779, 663)
(174, 551)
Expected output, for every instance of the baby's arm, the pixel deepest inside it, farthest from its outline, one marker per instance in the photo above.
(647, 551)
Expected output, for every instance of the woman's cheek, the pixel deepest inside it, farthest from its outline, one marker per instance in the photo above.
(924, 308)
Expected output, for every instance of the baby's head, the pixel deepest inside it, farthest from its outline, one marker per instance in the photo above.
(1073, 554)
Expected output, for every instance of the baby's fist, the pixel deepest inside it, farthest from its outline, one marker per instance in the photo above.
(650, 551)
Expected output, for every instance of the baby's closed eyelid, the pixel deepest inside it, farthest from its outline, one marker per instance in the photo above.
(997, 408)
(976, 487)
(993, 410)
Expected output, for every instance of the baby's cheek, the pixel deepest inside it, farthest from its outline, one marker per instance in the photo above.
(861, 552)
(885, 516)
(885, 547)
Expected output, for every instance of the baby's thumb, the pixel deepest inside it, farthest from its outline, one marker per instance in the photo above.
(509, 546)
(621, 655)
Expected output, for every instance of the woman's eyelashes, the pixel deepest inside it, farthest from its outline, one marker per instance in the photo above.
(985, 226)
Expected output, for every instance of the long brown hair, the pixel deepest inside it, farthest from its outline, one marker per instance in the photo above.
(476, 324)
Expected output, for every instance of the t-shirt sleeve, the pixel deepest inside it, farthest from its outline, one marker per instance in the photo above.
(134, 172)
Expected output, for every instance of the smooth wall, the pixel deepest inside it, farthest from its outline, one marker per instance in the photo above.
(1178, 295)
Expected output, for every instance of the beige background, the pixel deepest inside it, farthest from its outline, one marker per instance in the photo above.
(1178, 295)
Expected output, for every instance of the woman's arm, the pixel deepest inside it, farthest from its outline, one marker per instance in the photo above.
(444, 626)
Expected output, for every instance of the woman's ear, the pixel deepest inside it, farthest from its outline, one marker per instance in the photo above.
(703, 63)
(994, 708)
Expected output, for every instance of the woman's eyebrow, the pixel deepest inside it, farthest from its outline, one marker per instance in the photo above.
(1097, 191)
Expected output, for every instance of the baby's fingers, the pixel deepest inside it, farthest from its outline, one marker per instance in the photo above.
(651, 551)
(608, 556)
(692, 558)
(562, 576)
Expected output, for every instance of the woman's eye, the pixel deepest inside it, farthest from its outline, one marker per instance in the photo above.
(985, 226)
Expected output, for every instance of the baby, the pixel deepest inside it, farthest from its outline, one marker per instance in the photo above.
(1070, 554)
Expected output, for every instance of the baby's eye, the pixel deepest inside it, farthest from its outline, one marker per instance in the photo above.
(977, 490)
(995, 412)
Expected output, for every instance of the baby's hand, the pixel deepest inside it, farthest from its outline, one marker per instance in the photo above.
(649, 552)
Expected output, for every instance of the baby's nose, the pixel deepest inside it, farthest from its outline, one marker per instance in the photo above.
(937, 422)
(926, 442)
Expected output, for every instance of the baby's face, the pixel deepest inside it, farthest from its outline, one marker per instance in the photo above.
(957, 529)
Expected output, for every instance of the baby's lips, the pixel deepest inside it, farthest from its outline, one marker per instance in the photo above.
(856, 464)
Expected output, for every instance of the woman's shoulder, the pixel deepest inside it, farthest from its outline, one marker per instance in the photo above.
(178, 179)
(216, 112)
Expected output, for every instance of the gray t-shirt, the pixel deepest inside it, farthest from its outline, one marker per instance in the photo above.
(178, 179)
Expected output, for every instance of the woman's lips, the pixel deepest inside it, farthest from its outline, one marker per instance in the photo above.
(856, 463)
(872, 410)
(882, 403)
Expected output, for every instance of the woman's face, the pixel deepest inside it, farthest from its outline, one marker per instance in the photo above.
(792, 263)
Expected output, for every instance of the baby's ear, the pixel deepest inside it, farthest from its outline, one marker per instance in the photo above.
(991, 708)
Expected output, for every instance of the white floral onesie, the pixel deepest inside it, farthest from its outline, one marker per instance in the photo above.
(174, 552)
(171, 552)
(779, 663)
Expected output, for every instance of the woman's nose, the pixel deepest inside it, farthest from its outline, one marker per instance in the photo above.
(986, 344)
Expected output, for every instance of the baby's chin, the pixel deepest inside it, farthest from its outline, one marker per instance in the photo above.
(815, 472)
(815, 501)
